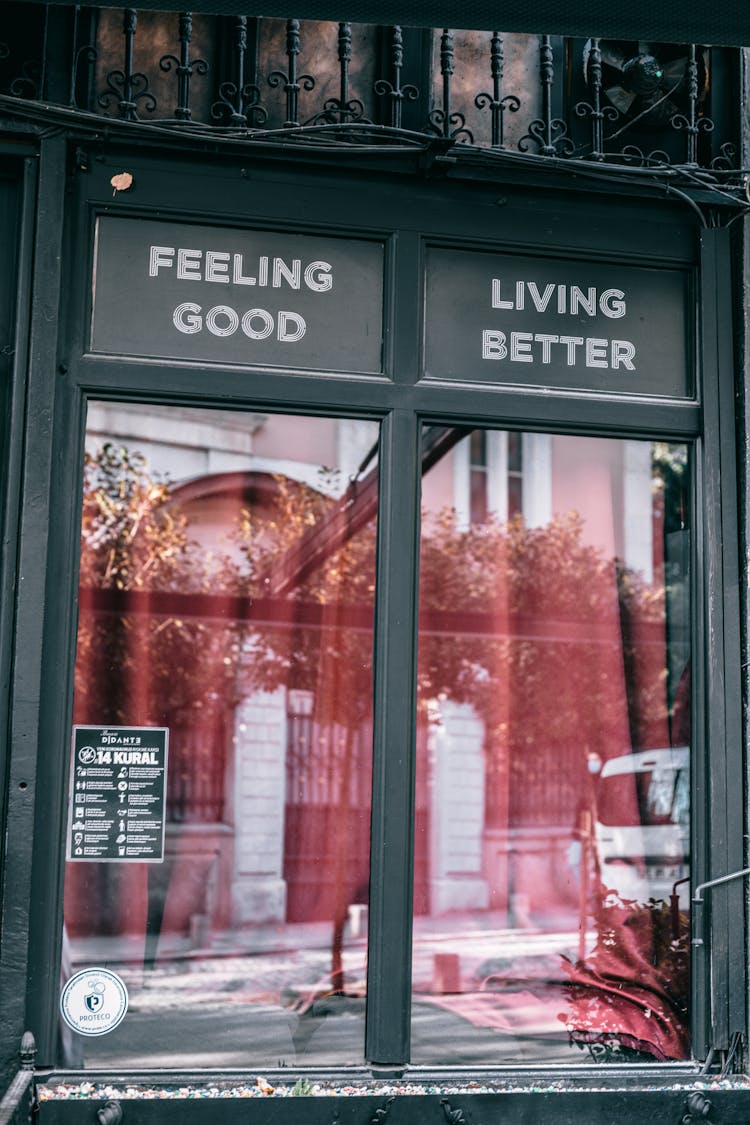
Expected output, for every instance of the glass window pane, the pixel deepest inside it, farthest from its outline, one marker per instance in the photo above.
(226, 592)
(552, 830)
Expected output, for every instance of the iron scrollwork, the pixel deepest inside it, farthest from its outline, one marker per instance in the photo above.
(594, 109)
(239, 101)
(291, 81)
(445, 122)
(110, 1114)
(690, 121)
(184, 66)
(28, 84)
(452, 1116)
(726, 161)
(344, 108)
(393, 90)
(127, 87)
(551, 137)
(548, 132)
(497, 104)
(697, 1108)
(382, 1112)
(242, 105)
(633, 155)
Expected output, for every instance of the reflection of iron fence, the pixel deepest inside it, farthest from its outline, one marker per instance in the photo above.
(196, 782)
(545, 788)
(327, 814)
(238, 77)
(327, 764)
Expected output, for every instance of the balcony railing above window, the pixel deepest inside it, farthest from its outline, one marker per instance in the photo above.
(646, 105)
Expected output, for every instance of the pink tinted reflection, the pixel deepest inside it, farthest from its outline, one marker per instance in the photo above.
(553, 734)
(234, 607)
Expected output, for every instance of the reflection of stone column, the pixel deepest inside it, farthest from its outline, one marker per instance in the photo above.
(456, 881)
(258, 889)
(637, 517)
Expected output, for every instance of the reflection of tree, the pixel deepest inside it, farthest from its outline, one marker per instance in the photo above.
(136, 665)
(333, 660)
(536, 649)
(630, 995)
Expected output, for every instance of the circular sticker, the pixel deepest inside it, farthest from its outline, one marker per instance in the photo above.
(94, 1001)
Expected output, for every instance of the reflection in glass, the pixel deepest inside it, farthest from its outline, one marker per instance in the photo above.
(226, 592)
(552, 831)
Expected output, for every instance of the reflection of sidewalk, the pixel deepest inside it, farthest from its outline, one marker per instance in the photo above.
(267, 964)
(492, 994)
(475, 931)
(290, 966)
(261, 995)
(256, 940)
(487, 952)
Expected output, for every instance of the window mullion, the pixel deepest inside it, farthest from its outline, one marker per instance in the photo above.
(392, 848)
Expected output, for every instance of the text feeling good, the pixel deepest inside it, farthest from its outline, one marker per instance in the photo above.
(221, 267)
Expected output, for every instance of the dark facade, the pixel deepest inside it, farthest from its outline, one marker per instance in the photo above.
(373, 511)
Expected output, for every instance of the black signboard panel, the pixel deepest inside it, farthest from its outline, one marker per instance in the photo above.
(117, 794)
(558, 323)
(234, 296)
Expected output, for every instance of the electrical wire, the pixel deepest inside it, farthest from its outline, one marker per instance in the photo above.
(734, 1047)
(363, 139)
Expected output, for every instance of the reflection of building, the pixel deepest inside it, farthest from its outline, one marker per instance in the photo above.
(252, 786)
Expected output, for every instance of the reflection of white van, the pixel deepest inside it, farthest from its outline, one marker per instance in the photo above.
(643, 823)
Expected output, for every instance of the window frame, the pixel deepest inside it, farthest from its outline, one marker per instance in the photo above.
(18, 185)
(64, 377)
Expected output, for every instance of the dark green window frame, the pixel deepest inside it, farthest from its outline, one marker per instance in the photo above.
(62, 377)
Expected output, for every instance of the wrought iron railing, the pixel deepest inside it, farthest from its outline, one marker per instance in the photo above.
(18, 1105)
(645, 105)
